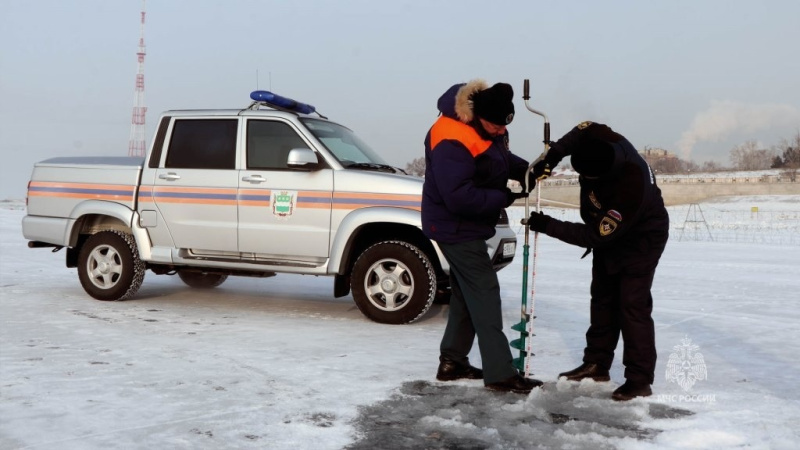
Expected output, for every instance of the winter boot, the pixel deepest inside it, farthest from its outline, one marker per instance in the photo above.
(587, 370)
(630, 390)
(450, 370)
(517, 383)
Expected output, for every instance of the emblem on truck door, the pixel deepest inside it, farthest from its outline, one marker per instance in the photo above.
(283, 203)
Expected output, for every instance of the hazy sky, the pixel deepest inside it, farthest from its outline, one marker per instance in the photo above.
(695, 77)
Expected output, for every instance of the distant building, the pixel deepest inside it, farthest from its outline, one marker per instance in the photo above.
(655, 153)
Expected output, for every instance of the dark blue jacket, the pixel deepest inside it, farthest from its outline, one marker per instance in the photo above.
(466, 173)
(625, 221)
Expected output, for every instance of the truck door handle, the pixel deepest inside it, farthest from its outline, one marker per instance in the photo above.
(171, 176)
(254, 179)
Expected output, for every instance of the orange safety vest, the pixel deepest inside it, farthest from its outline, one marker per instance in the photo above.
(446, 128)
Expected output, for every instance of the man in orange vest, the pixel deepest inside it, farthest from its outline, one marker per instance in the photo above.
(467, 168)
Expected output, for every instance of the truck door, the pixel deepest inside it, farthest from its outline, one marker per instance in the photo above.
(284, 213)
(195, 188)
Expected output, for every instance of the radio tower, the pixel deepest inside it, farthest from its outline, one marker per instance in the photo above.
(136, 145)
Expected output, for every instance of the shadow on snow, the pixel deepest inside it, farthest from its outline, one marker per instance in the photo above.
(464, 415)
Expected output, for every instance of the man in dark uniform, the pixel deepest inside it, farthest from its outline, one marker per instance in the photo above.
(626, 226)
(468, 165)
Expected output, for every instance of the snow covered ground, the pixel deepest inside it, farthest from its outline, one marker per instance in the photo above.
(278, 363)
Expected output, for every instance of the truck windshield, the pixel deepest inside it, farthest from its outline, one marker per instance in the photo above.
(348, 148)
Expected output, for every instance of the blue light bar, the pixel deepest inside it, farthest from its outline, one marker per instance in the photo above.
(281, 102)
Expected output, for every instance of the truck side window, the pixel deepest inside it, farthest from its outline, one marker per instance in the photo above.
(203, 144)
(161, 134)
(269, 143)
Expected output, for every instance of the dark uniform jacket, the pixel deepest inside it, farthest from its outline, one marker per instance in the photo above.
(625, 221)
(466, 173)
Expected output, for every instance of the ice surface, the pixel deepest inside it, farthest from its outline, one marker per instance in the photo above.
(278, 363)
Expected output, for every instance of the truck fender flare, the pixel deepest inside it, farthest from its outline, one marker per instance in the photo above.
(345, 234)
(113, 210)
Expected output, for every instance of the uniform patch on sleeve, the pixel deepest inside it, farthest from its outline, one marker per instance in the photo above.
(583, 125)
(614, 214)
(607, 226)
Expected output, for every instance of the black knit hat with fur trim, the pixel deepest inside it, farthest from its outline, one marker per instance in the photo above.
(495, 104)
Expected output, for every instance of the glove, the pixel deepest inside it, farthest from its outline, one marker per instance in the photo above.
(512, 196)
(538, 222)
(541, 170)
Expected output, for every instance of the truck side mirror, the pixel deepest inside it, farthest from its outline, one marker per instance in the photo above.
(302, 158)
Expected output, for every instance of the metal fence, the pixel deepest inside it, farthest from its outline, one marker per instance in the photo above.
(693, 179)
(706, 223)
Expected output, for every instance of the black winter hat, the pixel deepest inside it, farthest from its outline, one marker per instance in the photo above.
(591, 147)
(593, 157)
(495, 104)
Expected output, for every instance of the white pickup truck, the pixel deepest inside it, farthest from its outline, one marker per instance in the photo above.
(269, 188)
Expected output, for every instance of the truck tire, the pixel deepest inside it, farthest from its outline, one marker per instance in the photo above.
(109, 267)
(393, 282)
(201, 280)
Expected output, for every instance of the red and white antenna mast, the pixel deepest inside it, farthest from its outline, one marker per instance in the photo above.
(136, 145)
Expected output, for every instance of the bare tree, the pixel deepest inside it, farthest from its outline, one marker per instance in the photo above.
(749, 157)
(667, 163)
(788, 157)
(791, 158)
(711, 166)
(416, 167)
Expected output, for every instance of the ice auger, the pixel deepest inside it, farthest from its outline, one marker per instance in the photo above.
(525, 325)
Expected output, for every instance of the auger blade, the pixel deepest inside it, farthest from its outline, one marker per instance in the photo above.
(522, 327)
(518, 344)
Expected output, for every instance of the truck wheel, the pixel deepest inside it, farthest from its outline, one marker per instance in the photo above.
(393, 282)
(201, 280)
(109, 266)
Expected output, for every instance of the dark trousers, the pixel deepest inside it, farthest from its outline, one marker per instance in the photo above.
(622, 303)
(475, 310)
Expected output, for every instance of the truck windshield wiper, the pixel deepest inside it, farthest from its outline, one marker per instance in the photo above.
(373, 166)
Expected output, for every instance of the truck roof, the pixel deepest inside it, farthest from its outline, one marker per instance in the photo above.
(276, 106)
(233, 112)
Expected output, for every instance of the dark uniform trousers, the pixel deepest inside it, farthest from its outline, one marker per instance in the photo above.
(475, 309)
(622, 303)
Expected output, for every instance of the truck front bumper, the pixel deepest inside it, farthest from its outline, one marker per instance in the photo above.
(502, 247)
